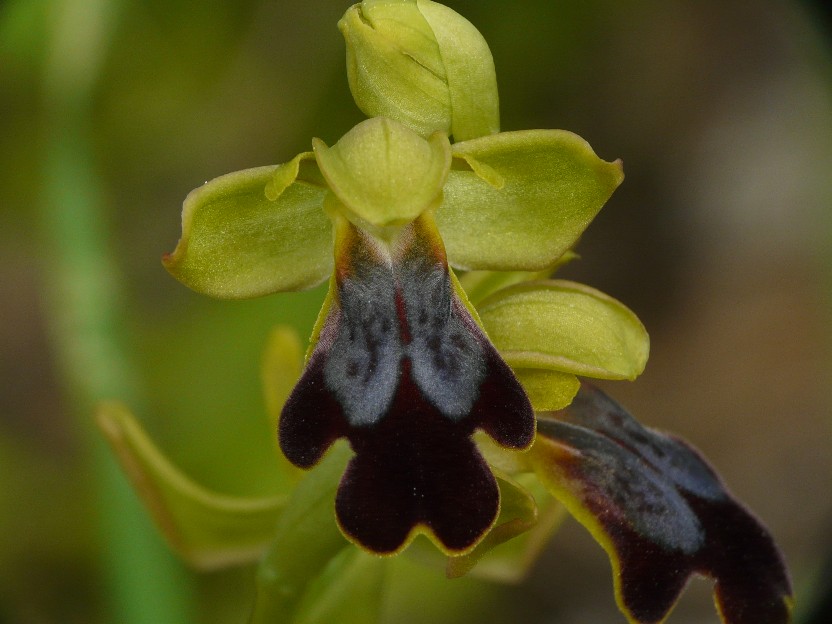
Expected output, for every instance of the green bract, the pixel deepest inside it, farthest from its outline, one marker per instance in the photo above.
(208, 530)
(423, 64)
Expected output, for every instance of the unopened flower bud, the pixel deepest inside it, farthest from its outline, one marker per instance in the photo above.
(422, 64)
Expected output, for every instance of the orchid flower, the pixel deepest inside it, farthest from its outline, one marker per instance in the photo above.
(458, 396)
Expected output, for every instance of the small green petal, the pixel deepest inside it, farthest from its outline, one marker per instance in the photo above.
(516, 201)
(469, 70)
(348, 591)
(548, 390)
(323, 313)
(480, 284)
(302, 167)
(208, 530)
(564, 326)
(383, 173)
(462, 293)
(238, 243)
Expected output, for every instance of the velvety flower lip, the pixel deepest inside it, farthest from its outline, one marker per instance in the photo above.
(396, 334)
(510, 201)
(661, 513)
(403, 371)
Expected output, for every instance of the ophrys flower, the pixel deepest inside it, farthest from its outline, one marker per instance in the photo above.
(399, 363)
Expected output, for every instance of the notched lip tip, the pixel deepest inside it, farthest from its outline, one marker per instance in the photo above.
(419, 529)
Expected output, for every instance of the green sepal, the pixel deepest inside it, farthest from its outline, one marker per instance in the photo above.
(384, 174)
(517, 201)
(348, 591)
(237, 243)
(568, 327)
(207, 530)
(305, 540)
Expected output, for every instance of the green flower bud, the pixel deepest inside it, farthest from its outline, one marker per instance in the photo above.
(422, 64)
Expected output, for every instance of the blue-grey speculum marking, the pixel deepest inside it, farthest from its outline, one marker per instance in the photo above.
(375, 336)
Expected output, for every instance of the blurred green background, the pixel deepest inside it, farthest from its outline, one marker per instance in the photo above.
(719, 238)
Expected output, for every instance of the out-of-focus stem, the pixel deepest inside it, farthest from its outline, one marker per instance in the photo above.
(142, 581)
